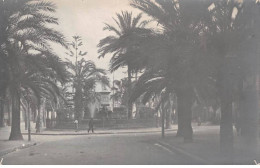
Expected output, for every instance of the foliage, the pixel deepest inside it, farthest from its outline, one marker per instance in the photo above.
(124, 44)
(31, 67)
(84, 75)
(174, 54)
(120, 91)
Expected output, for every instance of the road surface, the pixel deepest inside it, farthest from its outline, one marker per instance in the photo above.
(93, 149)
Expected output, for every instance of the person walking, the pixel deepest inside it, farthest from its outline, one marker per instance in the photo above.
(91, 125)
(76, 122)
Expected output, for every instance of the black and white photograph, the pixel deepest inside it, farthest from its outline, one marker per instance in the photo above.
(129, 82)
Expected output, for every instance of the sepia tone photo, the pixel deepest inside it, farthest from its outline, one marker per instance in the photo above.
(129, 82)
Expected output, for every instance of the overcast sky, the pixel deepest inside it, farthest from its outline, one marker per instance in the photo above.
(86, 18)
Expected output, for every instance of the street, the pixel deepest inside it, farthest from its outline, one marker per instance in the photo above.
(96, 149)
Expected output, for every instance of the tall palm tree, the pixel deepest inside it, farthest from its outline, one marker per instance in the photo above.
(25, 45)
(6, 12)
(234, 48)
(172, 54)
(84, 78)
(124, 45)
(3, 86)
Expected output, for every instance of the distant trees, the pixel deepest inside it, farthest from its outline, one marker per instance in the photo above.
(120, 91)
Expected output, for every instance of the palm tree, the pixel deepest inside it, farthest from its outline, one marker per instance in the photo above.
(39, 83)
(231, 38)
(6, 12)
(26, 51)
(172, 54)
(84, 76)
(38, 90)
(3, 86)
(124, 45)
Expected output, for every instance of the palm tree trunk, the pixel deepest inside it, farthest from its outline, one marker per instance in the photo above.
(226, 127)
(179, 117)
(34, 109)
(185, 114)
(39, 120)
(225, 87)
(250, 119)
(44, 112)
(15, 129)
(226, 122)
(163, 118)
(8, 107)
(157, 118)
(78, 104)
(29, 121)
(250, 134)
(2, 111)
(25, 119)
(214, 115)
(24, 113)
(129, 103)
(48, 114)
(168, 119)
(240, 104)
(169, 115)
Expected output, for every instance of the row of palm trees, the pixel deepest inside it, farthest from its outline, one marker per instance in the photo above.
(31, 70)
(194, 50)
(31, 74)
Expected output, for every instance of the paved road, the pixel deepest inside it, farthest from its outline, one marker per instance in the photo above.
(96, 149)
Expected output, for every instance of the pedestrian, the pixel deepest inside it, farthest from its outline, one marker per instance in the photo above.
(76, 122)
(91, 125)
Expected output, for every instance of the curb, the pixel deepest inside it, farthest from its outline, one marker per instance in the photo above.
(10, 150)
(101, 133)
(184, 153)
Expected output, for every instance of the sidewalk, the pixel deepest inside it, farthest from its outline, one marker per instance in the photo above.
(7, 146)
(205, 147)
(101, 131)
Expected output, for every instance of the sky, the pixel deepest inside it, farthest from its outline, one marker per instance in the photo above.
(86, 18)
